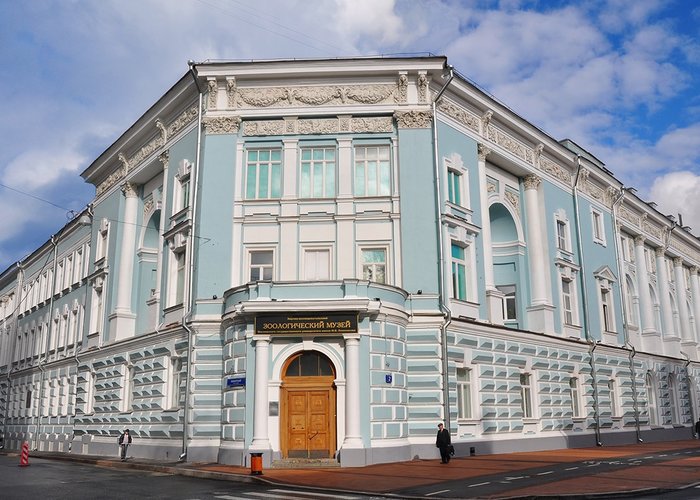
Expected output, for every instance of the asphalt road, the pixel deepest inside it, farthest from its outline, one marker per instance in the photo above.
(54, 480)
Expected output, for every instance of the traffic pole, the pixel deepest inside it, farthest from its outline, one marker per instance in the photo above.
(24, 457)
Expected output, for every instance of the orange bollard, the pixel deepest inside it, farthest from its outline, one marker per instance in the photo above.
(256, 464)
(24, 457)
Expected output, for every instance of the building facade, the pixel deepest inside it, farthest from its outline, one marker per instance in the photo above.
(325, 258)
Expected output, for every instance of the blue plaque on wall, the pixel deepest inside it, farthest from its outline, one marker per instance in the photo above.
(235, 382)
(388, 378)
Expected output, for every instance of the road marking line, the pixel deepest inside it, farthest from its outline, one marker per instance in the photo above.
(571, 468)
(545, 473)
(225, 497)
(513, 478)
(479, 484)
(267, 494)
(278, 490)
(436, 493)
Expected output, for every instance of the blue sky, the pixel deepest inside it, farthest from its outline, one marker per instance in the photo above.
(619, 77)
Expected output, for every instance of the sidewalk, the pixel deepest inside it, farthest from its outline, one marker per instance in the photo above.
(638, 469)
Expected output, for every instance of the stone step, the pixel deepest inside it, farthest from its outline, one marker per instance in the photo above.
(304, 463)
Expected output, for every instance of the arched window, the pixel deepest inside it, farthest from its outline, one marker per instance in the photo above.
(309, 364)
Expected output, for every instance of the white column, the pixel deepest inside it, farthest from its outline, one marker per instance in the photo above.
(535, 237)
(123, 321)
(648, 325)
(663, 280)
(540, 312)
(494, 298)
(353, 437)
(695, 289)
(164, 158)
(261, 440)
(682, 299)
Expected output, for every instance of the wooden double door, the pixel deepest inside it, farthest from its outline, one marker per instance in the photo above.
(308, 417)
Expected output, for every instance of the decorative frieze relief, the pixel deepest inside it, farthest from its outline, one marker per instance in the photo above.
(652, 230)
(380, 124)
(231, 91)
(532, 181)
(213, 91)
(184, 119)
(264, 97)
(222, 124)
(508, 143)
(462, 116)
(482, 151)
(627, 215)
(422, 88)
(555, 170)
(402, 93)
(685, 249)
(413, 119)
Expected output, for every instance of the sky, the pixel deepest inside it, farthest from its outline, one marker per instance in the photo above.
(621, 78)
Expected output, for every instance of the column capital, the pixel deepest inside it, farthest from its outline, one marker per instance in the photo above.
(694, 270)
(483, 151)
(678, 261)
(639, 240)
(164, 158)
(660, 251)
(129, 190)
(532, 181)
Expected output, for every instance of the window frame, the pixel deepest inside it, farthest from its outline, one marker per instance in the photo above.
(366, 182)
(526, 395)
(575, 394)
(260, 250)
(312, 174)
(598, 226)
(275, 173)
(455, 263)
(509, 295)
(315, 249)
(465, 393)
(373, 248)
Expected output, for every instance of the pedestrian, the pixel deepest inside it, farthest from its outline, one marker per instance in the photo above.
(444, 442)
(124, 442)
(697, 429)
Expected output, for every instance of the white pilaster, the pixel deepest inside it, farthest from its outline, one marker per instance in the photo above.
(648, 325)
(353, 437)
(540, 312)
(494, 298)
(663, 280)
(695, 290)
(123, 321)
(261, 440)
(682, 299)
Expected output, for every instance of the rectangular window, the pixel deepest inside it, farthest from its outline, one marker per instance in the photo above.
(562, 235)
(28, 400)
(180, 264)
(317, 264)
(510, 310)
(606, 309)
(374, 265)
(261, 265)
(454, 187)
(317, 173)
(174, 382)
(185, 193)
(567, 301)
(263, 174)
(625, 249)
(613, 398)
(372, 171)
(464, 393)
(598, 229)
(459, 273)
(574, 393)
(526, 395)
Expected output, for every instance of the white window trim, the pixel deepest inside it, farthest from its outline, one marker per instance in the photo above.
(598, 238)
(302, 266)
(248, 261)
(560, 217)
(577, 405)
(360, 263)
(615, 401)
(533, 395)
(467, 263)
(605, 280)
(325, 162)
(652, 398)
(473, 394)
(569, 274)
(182, 179)
(454, 163)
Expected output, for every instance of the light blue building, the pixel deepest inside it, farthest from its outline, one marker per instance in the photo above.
(323, 259)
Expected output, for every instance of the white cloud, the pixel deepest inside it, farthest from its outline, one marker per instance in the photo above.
(677, 193)
(375, 19)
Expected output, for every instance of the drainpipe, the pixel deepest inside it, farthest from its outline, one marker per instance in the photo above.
(188, 300)
(625, 314)
(441, 257)
(592, 344)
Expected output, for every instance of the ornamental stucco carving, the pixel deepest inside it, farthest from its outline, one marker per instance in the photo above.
(547, 165)
(318, 126)
(659, 251)
(164, 158)
(422, 88)
(263, 97)
(532, 181)
(639, 240)
(163, 130)
(482, 151)
(213, 90)
(653, 230)
(413, 119)
(184, 119)
(129, 189)
(510, 144)
(514, 200)
(402, 92)
(231, 91)
(216, 125)
(625, 214)
(677, 261)
(469, 120)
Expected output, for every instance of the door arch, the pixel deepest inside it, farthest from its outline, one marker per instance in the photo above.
(308, 398)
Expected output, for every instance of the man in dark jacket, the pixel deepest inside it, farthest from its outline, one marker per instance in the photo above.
(124, 442)
(443, 442)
